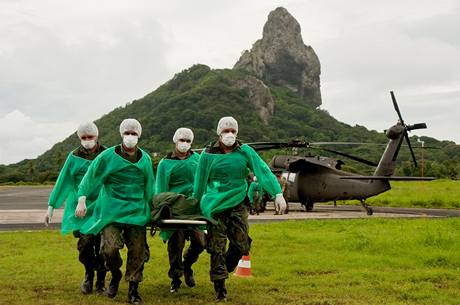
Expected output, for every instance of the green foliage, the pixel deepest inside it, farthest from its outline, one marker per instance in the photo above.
(197, 97)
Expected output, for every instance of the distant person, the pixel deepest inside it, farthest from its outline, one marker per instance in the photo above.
(66, 189)
(176, 173)
(221, 187)
(255, 194)
(284, 188)
(125, 175)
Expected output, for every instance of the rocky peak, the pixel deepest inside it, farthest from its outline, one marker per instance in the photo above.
(281, 58)
(259, 95)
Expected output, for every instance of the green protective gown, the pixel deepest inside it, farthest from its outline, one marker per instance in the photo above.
(126, 190)
(176, 176)
(66, 189)
(220, 179)
(252, 188)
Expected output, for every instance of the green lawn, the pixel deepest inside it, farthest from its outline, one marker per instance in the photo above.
(372, 261)
(422, 194)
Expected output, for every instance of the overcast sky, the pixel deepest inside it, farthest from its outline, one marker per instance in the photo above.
(66, 62)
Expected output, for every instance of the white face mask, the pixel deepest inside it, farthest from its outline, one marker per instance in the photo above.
(130, 141)
(228, 138)
(88, 144)
(183, 147)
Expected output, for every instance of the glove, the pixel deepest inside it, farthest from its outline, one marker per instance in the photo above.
(80, 211)
(280, 203)
(49, 215)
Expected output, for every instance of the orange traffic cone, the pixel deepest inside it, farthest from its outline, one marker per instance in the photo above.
(244, 267)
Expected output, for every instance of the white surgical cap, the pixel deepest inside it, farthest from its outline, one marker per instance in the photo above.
(89, 129)
(183, 133)
(130, 125)
(227, 122)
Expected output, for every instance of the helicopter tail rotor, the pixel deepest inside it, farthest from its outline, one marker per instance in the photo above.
(407, 128)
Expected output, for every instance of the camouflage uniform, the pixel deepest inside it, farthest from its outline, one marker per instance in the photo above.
(285, 188)
(115, 236)
(232, 223)
(89, 245)
(176, 244)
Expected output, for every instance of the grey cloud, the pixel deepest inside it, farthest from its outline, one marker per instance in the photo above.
(93, 67)
(438, 29)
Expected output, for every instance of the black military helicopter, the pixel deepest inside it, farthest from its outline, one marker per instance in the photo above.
(320, 179)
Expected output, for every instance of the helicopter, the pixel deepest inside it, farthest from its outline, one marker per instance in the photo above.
(314, 179)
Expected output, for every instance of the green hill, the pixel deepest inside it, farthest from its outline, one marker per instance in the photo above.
(198, 97)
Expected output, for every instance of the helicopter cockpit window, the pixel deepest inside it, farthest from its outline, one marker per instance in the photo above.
(291, 177)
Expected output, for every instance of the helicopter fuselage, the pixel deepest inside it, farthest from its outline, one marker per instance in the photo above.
(318, 180)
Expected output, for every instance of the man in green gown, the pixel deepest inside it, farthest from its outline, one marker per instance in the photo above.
(176, 173)
(221, 187)
(125, 175)
(66, 189)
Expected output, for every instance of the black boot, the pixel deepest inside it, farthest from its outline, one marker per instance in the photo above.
(86, 286)
(188, 277)
(221, 292)
(133, 294)
(175, 284)
(100, 282)
(112, 290)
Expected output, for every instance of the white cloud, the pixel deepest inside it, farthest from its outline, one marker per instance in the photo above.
(23, 138)
(73, 61)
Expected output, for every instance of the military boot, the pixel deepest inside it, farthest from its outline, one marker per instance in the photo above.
(100, 282)
(86, 286)
(188, 277)
(133, 294)
(112, 290)
(221, 292)
(175, 285)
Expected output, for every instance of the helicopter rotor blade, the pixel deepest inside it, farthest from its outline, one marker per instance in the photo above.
(258, 146)
(395, 105)
(406, 136)
(416, 126)
(358, 159)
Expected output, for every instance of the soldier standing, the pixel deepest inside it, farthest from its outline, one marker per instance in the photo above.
(66, 189)
(221, 187)
(122, 210)
(176, 173)
(284, 188)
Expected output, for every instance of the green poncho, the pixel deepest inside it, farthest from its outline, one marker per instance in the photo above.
(176, 175)
(66, 189)
(127, 189)
(220, 179)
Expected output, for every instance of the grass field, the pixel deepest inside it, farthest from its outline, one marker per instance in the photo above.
(422, 194)
(372, 261)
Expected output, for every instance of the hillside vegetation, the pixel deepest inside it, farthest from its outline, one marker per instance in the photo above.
(199, 96)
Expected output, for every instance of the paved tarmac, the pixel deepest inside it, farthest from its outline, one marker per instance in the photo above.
(24, 207)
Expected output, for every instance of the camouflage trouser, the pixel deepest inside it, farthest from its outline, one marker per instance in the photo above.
(89, 249)
(286, 198)
(257, 202)
(231, 224)
(114, 236)
(176, 244)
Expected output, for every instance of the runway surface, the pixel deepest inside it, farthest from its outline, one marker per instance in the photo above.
(24, 208)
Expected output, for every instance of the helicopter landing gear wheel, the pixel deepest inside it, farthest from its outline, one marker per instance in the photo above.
(369, 210)
(308, 206)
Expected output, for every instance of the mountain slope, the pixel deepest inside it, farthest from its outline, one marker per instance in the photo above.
(197, 98)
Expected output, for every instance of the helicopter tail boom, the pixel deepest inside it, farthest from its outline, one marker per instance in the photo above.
(395, 178)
